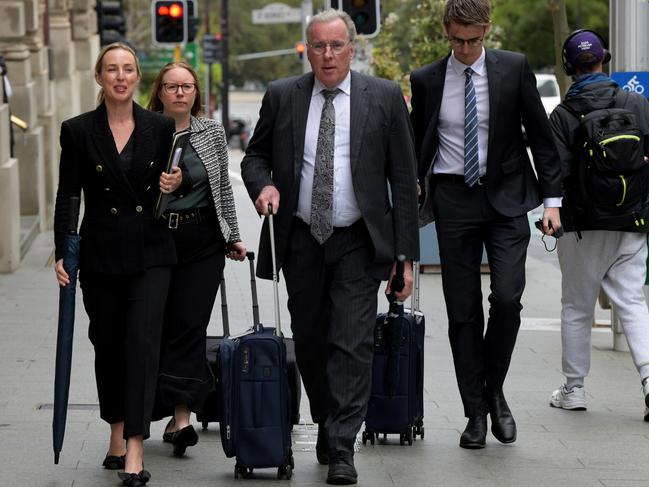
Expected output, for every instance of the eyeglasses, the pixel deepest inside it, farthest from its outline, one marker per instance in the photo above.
(187, 88)
(320, 48)
(475, 42)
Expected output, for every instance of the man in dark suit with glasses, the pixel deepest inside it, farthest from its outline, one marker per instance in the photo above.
(478, 184)
(336, 146)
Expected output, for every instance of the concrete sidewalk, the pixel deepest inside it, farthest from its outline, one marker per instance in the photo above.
(606, 446)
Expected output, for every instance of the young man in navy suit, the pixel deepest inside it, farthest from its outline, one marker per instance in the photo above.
(478, 184)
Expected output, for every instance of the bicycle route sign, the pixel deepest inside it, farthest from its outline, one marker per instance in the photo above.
(637, 81)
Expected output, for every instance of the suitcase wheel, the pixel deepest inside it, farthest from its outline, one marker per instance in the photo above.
(366, 434)
(245, 472)
(285, 472)
(204, 424)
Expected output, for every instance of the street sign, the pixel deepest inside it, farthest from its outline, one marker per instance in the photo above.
(277, 13)
(637, 81)
(211, 48)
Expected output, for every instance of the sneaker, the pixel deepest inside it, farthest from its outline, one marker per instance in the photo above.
(573, 399)
(645, 393)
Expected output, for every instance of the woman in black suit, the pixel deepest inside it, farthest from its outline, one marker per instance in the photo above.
(116, 154)
(205, 230)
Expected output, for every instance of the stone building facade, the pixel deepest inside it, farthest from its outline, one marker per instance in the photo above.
(49, 47)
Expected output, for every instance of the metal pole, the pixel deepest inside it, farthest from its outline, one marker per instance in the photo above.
(307, 12)
(225, 72)
(208, 68)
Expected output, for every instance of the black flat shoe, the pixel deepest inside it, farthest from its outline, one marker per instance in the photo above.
(134, 479)
(183, 438)
(167, 436)
(113, 462)
(475, 434)
(503, 426)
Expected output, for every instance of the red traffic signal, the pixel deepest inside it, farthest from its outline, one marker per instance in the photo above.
(169, 23)
(299, 49)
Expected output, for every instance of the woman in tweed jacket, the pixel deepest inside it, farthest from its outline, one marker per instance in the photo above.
(204, 225)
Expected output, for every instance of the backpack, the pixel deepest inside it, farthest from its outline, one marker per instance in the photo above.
(609, 182)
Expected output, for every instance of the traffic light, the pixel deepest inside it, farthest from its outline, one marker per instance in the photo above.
(111, 23)
(192, 19)
(365, 14)
(299, 49)
(169, 21)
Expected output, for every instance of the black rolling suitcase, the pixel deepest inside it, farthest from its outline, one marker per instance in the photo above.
(398, 408)
(212, 408)
(255, 395)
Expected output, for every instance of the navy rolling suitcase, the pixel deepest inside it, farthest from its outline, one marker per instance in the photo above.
(212, 408)
(402, 411)
(255, 396)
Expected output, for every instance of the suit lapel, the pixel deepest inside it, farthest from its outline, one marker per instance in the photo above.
(494, 80)
(359, 108)
(435, 92)
(104, 142)
(143, 138)
(300, 101)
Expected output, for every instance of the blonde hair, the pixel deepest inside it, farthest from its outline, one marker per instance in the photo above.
(155, 103)
(100, 60)
(467, 12)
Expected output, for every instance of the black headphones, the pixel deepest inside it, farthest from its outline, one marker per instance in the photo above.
(567, 66)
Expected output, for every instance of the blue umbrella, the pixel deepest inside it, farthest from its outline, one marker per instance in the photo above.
(394, 331)
(65, 334)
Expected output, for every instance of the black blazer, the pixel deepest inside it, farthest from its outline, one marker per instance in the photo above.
(511, 184)
(118, 233)
(381, 152)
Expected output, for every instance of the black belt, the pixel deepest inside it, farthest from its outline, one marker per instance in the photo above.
(304, 224)
(455, 178)
(193, 215)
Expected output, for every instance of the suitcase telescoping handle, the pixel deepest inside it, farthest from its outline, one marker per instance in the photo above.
(253, 288)
(415, 292)
(224, 308)
(271, 227)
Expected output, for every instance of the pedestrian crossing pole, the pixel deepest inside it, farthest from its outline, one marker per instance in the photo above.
(177, 53)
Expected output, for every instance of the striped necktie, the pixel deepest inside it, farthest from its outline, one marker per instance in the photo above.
(471, 163)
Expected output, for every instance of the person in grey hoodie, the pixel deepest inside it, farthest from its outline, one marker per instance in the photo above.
(590, 255)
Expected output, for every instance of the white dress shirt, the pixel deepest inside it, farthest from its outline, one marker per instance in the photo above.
(345, 207)
(450, 126)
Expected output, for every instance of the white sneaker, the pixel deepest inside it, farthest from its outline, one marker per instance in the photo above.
(645, 393)
(573, 399)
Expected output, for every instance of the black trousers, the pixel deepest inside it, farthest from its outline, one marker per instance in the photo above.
(465, 221)
(333, 303)
(185, 377)
(125, 314)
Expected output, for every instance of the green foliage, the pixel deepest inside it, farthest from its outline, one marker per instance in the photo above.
(411, 36)
(527, 25)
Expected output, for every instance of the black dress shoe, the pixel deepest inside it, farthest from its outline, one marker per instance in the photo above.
(134, 479)
(322, 446)
(503, 425)
(113, 462)
(475, 433)
(168, 436)
(341, 468)
(183, 438)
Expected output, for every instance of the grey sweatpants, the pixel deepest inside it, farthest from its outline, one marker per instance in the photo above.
(616, 261)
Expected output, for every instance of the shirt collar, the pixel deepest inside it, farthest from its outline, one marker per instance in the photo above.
(478, 67)
(344, 86)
